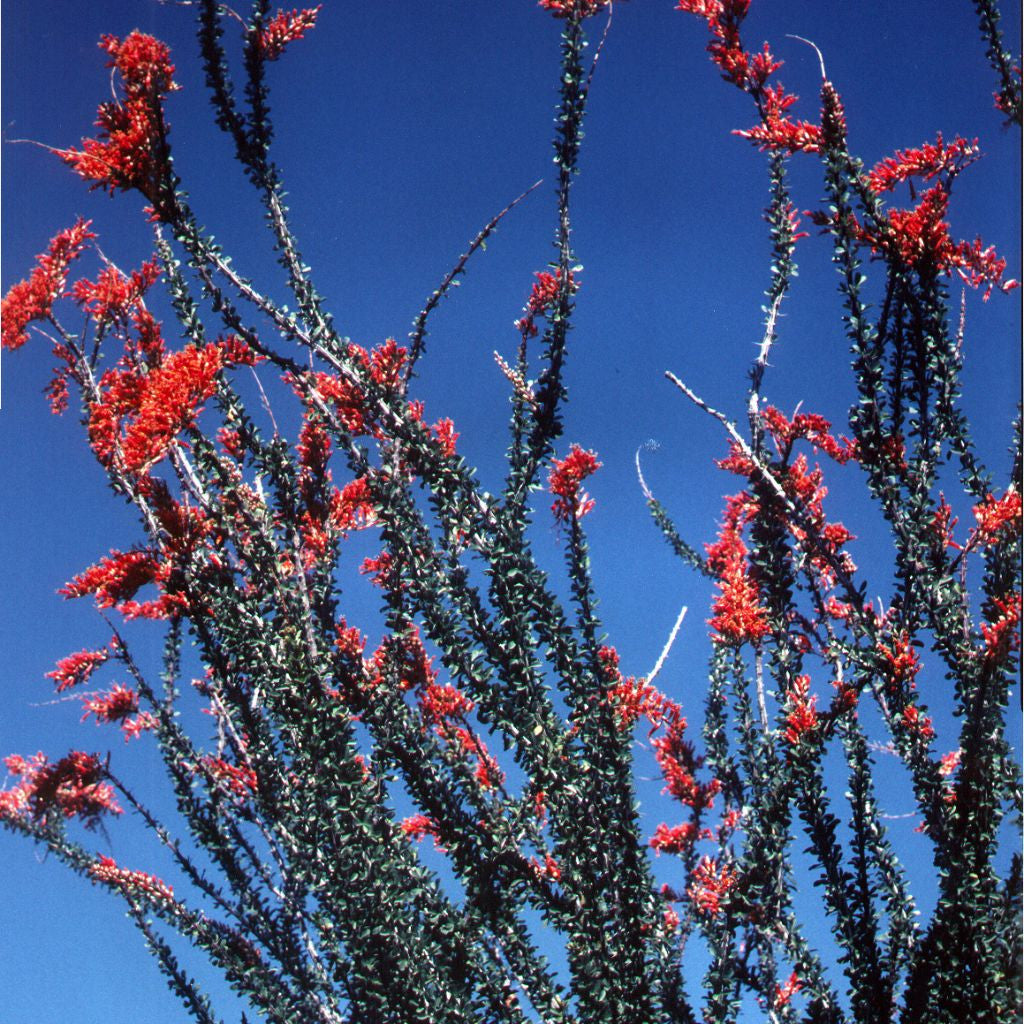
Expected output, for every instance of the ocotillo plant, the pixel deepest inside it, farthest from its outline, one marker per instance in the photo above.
(441, 825)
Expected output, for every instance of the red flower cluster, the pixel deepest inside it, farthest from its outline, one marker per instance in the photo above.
(136, 421)
(809, 427)
(750, 72)
(130, 152)
(900, 661)
(927, 161)
(802, 718)
(76, 668)
(679, 765)
(724, 18)
(445, 434)
(142, 62)
(543, 299)
(573, 8)
(564, 483)
(635, 698)
(349, 640)
(1002, 632)
(942, 524)
(443, 706)
(119, 705)
(918, 724)
(677, 839)
(134, 883)
(632, 698)
(920, 239)
(383, 365)
(114, 580)
(738, 616)
(784, 993)
(994, 515)
(328, 512)
(238, 780)
(781, 135)
(72, 787)
(806, 488)
(548, 871)
(284, 28)
(442, 702)
(709, 884)
(418, 826)
(114, 296)
(381, 569)
(32, 300)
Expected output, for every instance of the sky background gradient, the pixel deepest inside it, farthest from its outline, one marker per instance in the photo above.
(402, 127)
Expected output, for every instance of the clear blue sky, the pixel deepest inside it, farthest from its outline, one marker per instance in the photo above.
(402, 128)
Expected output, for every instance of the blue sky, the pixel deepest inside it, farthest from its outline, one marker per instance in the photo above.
(402, 127)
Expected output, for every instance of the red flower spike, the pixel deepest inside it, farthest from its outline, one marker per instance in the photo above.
(543, 299)
(679, 766)
(348, 401)
(385, 364)
(632, 698)
(738, 615)
(573, 8)
(949, 763)
(709, 884)
(114, 296)
(238, 352)
(170, 403)
(780, 135)
(140, 415)
(809, 427)
(72, 787)
(942, 524)
(442, 703)
(238, 780)
(418, 826)
(352, 507)
(133, 883)
(1002, 632)
(144, 63)
(925, 162)
(116, 705)
(901, 661)
(487, 772)
(784, 993)
(564, 483)
(129, 152)
(548, 871)
(916, 723)
(33, 299)
(802, 719)
(445, 434)
(994, 515)
(920, 239)
(677, 839)
(349, 640)
(115, 579)
(120, 706)
(284, 28)
(75, 669)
